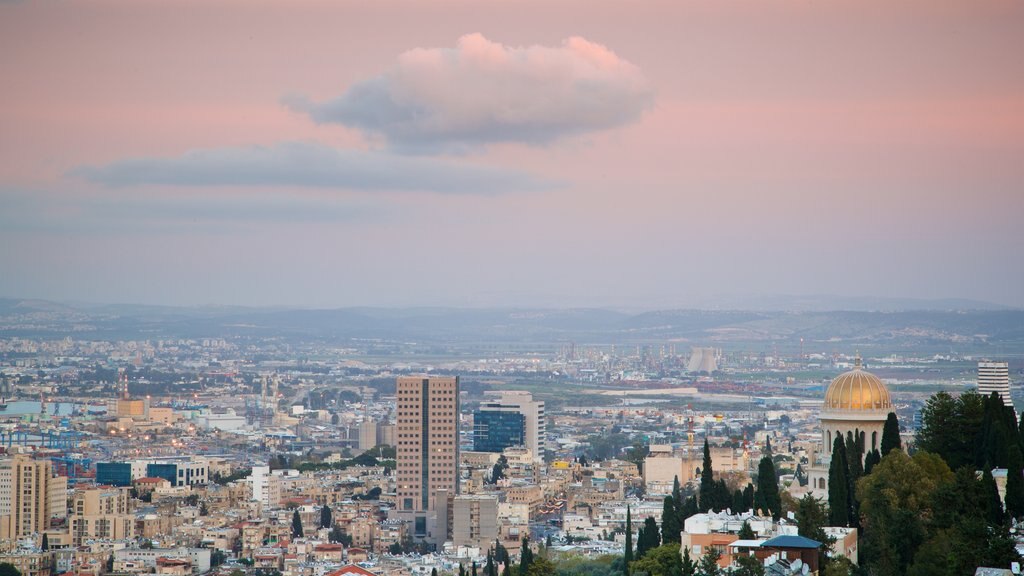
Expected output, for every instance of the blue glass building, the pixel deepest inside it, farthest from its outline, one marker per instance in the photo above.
(114, 473)
(494, 431)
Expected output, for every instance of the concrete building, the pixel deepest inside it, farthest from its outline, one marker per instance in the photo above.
(369, 434)
(427, 453)
(266, 487)
(535, 420)
(475, 520)
(102, 512)
(995, 377)
(29, 496)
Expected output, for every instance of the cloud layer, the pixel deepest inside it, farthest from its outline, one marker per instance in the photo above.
(310, 165)
(483, 92)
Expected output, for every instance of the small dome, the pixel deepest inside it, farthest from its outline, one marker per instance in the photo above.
(857, 390)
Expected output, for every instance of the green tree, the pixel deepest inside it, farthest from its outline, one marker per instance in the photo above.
(670, 528)
(838, 485)
(690, 508)
(541, 566)
(748, 566)
(768, 486)
(990, 494)
(8, 569)
(296, 525)
(489, 569)
(855, 456)
(707, 481)
(871, 460)
(45, 544)
(748, 497)
(433, 571)
(1015, 484)
(708, 563)
(326, 517)
(628, 556)
(677, 500)
(746, 532)
(689, 566)
(951, 428)
(661, 561)
(891, 434)
(217, 557)
(647, 538)
(895, 502)
(501, 554)
(811, 520)
(525, 557)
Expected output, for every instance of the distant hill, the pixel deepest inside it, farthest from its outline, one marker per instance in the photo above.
(913, 329)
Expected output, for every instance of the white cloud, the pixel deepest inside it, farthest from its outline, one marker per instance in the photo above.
(483, 92)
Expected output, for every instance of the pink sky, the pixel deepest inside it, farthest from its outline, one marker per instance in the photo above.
(571, 153)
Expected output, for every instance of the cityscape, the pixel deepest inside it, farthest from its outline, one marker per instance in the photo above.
(512, 288)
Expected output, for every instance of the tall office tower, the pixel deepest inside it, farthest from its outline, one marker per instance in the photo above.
(428, 452)
(29, 496)
(520, 402)
(995, 377)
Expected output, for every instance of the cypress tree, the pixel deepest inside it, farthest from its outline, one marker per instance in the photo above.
(462, 570)
(689, 509)
(525, 557)
(1015, 485)
(990, 493)
(648, 538)
(871, 460)
(723, 498)
(296, 525)
(670, 529)
(855, 457)
(326, 517)
(507, 571)
(677, 498)
(707, 481)
(768, 486)
(433, 571)
(891, 434)
(628, 556)
(737, 502)
(689, 567)
(838, 486)
(746, 532)
(748, 497)
(45, 545)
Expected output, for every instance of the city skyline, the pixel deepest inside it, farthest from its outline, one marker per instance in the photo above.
(527, 154)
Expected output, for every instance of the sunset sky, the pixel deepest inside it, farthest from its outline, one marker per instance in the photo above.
(554, 153)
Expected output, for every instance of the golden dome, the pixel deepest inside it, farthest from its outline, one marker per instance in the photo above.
(857, 390)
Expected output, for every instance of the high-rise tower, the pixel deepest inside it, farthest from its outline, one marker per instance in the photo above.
(995, 377)
(427, 467)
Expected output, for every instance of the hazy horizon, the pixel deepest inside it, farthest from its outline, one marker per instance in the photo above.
(587, 154)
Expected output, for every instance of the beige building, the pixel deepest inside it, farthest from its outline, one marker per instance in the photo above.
(475, 520)
(102, 512)
(427, 452)
(30, 563)
(29, 496)
(369, 434)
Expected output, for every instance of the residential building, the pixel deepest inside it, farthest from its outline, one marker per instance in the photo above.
(29, 496)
